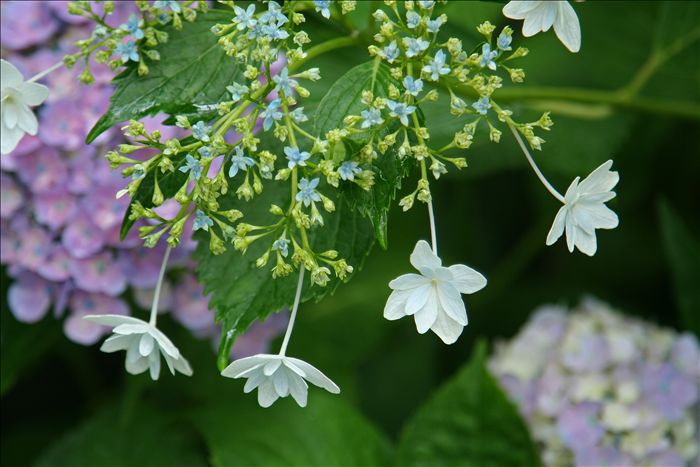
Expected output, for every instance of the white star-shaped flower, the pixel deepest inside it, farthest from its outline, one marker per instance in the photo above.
(144, 344)
(433, 296)
(16, 118)
(584, 210)
(541, 15)
(278, 376)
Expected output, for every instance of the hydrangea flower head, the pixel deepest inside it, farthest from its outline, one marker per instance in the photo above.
(541, 15)
(18, 95)
(433, 296)
(144, 345)
(584, 210)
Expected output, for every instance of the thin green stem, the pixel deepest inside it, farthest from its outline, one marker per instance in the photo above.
(156, 294)
(323, 47)
(293, 316)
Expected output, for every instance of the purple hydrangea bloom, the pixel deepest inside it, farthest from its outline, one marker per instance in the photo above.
(667, 390)
(578, 426)
(29, 298)
(25, 24)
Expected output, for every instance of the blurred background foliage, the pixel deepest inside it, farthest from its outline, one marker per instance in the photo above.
(632, 94)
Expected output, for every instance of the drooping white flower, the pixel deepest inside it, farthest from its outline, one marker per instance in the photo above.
(278, 376)
(433, 296)
(541, 15)
(144, 344)
(584, 210)
(16, 118)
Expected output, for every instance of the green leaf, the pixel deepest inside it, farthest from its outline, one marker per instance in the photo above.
(242, 293)
(345, 98)
(148, 438)
(168, 182)
(326, 433)
(468, 422)
(193, 70)
(683, 255)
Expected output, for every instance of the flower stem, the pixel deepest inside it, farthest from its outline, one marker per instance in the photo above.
(324, 47)
(529, 158)
(156, 294)
(293, 316)
(433, 235)
(41, 74)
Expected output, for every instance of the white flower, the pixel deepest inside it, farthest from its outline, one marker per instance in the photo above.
(16, 118)
(433, 296)
(584, 210)
(541, 15)
(278, 376)
(143, 343)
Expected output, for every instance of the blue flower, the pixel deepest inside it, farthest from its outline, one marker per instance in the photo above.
(504, 40)
(426, 4)
(435, 24)
(487, 56)
(371, 117)
(237, 90)
(172, 4)
(298, 115)
(284, 83)
(192, 166)
(401, 110)
(322, 7)
(132, 27)
(296, 157)
(413, 86)
(307, 191)
(200, 131)
(436, 66)
(274, 32)
(244, 18)
(239, 162)
(414, 47)
(273, 14)
(348, 169)
(390, 52)
(482, 105)
(204, 151)
(271, 114)
(138, 173)
(201, 221)
(282, 245)
(412, 19)
(127, 51)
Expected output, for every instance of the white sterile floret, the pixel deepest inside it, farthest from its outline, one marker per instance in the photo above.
(541, 15)
(584, 210)
(278, 376)
(16, 118)
(144, 344)
(433, 296)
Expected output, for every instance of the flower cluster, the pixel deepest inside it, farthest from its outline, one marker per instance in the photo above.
(599, 388)
(60, 220)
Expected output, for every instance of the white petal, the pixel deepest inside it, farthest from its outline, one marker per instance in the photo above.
(534, 20)
(10, 113)
(137, 366)
(567, 27)
(557, 226)
(113, 320)
(446, 328)
(271, 366)
(26, 120)
(572, 192)
(163, 342)
(417, 298)
(466, 279)
(298, 389)
(452, 304)
(549, 15)
(266, 394)
(408, 281)
(585, 241)
(183, 366)
(170, 361)
(423, 257)
(154, 363)
(600, 180)
(33, 93)
(137, 328)
(10, 76)
(281, 383)
(146, 344)
(242, 365)
(519, 9)
(115, 343)
(591, 216)
(9, 138)
(254, 381)
(313, 375)
(396, 304)
(570, 235)
(425, 317)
